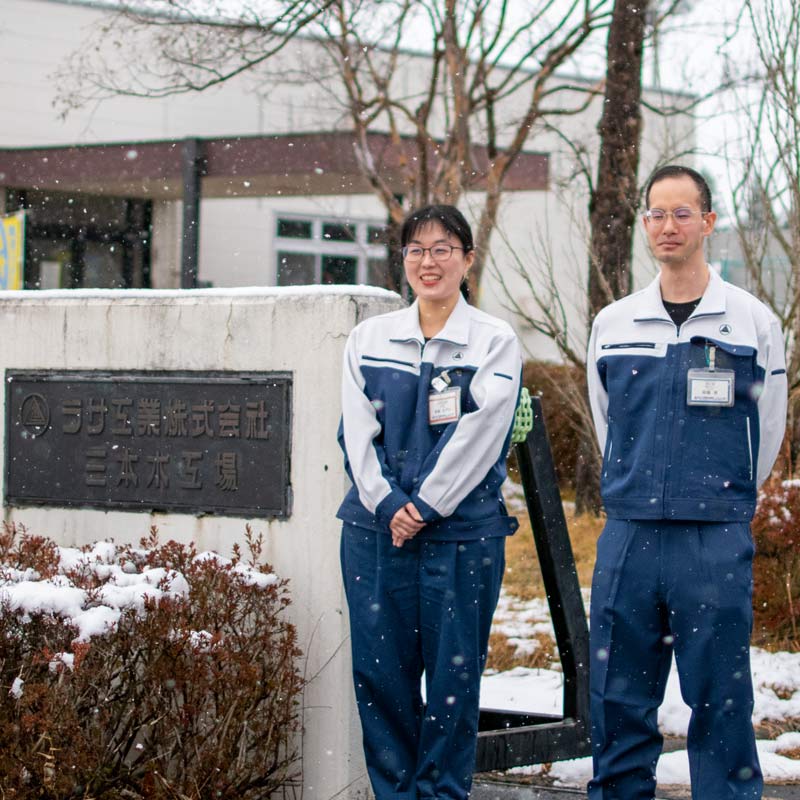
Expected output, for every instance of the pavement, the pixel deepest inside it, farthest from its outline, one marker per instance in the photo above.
(488, 789)
(506, 789)
(492, 786)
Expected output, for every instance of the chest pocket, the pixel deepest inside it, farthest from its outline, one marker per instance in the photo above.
(461, 377)
(719, 445)
(741, 359)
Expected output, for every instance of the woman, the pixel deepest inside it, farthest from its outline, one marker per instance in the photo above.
(428, 400)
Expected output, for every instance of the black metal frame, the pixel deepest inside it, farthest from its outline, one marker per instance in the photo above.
(511, 739)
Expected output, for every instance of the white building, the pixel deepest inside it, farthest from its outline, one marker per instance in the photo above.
(108, 191)
(281, 198)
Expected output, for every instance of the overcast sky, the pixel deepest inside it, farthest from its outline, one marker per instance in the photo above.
(694, 50)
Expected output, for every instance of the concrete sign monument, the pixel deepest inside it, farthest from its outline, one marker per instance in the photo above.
(198, 412)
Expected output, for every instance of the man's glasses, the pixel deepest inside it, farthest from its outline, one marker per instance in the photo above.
(439, 252)
(682, 216)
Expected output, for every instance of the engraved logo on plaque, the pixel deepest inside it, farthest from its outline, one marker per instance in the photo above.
(34, 414)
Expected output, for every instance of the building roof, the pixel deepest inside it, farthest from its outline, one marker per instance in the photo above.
(242, 166)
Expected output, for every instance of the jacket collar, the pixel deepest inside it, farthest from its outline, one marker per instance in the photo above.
(651, 306)
(456, 329)
(713, 301)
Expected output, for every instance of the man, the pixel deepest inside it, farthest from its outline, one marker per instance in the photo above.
(687, 383)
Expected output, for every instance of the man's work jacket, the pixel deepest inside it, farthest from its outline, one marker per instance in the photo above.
(664, 458)
(452, 472)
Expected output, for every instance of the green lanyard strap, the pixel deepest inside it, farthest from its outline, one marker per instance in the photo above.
(523, 418)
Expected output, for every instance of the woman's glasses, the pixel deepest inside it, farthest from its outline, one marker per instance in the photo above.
(439, 252)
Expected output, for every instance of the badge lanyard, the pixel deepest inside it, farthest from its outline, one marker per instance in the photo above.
(710, 386)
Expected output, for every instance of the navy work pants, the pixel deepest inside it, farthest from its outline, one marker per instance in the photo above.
(424, 607)
(659, 587)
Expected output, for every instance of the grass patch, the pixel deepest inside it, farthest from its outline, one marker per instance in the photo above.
(523, 576)
(523, 580)
(503, 655)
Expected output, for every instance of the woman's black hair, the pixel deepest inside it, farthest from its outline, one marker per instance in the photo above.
(450, 218)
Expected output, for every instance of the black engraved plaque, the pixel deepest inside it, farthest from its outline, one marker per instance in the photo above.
(190, 442)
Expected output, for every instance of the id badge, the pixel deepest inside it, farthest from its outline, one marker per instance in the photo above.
(444, 407)
(710, 387)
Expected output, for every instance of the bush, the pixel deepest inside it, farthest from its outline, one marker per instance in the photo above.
(552, 382)
(776, 566)
(143, 673)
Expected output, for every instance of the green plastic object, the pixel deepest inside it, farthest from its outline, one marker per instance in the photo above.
(523, 418)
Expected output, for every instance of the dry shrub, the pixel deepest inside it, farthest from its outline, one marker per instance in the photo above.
(196, 696)
(773, 728)
(776, 566)
(554, 383)
(20, 550)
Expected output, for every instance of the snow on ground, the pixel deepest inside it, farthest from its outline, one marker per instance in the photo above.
(673, 768)
(776, 679)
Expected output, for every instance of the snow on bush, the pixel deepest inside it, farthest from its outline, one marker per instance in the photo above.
(150, 672)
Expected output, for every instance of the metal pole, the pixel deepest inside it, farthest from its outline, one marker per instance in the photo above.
(193, 169)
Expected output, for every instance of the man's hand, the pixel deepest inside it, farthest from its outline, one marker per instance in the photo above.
(405, 524)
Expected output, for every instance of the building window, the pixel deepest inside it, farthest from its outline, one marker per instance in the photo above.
(339, 269)
(295, 269)
(377, 234)
(75, 241)
(336, 232)
(313, 250)
(294, 229)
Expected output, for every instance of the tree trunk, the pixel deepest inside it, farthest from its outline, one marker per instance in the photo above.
(614, 199)
(395, 273)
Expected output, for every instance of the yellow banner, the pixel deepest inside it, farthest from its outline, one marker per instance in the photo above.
(12, 250)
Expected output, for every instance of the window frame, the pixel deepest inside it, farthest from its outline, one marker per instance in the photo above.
(360, 249)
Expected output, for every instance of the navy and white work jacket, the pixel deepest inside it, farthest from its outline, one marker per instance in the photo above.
(663, 458)
(451, 472)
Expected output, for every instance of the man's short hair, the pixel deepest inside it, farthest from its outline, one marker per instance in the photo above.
(679, 171)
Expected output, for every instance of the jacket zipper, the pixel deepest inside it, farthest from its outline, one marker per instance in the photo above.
(673, 404)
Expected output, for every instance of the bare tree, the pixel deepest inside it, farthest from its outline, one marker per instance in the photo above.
(486, 80)
(614, 198)
(766, 197)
